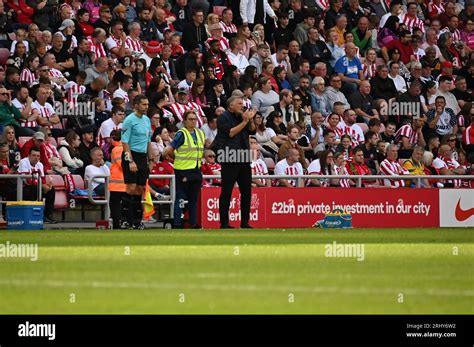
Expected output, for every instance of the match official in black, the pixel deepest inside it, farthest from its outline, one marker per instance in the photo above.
(232, 146)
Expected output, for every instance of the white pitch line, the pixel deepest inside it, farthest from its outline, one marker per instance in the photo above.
(246, 287)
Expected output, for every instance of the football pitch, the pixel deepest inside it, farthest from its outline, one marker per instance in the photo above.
(305, 271)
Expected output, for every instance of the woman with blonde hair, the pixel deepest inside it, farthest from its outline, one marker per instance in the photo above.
(212, 18)
(9, 137)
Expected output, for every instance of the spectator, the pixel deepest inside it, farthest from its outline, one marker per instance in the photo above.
(14, 154)
(264, 97)
(68, 149)
(210, 167)
(415, 166)
(262, 55)
(314, 49)
(370, 151)
(302, 28)
(329, 142)
(319, 102)
(388, 135)
(349, 69)
(444, 165)
(96, 168)
(345, 147)
(363, 104)
(340, 169)
(358, 167)
(267, 138)
(289, 166)
(323, 166)
(333, 93)
(194, 32)
(293, 136)
(391, 167)
(210, 129)
(234, 55)
(442, 119)
(29, 165)
(259, 168)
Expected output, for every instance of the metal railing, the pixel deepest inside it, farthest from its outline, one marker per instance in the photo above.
(357, 178)
(172, 178)
(19, 184)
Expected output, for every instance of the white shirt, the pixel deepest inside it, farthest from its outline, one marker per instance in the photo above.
(399, 82)
(24, 167)
(92, 170)
(184, 85)
(45, 111)
(238, 60)
(283, 168)
(276, 63)
(259, 168)
(105, 129)
(120, 93)
(208, 132)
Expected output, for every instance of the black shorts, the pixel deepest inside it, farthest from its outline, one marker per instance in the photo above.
(143, 172)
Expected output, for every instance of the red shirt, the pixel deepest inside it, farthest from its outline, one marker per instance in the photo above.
(87, 28)
(24, 11)
(208, 169)
(162, 168)
(405, 50)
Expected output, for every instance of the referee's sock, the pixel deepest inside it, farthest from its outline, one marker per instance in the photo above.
(127, 206)
(137, 210)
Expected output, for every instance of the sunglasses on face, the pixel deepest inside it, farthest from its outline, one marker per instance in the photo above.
(4, 94)
(211, 156)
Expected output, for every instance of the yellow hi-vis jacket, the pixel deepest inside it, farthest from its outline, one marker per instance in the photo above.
(189, 155)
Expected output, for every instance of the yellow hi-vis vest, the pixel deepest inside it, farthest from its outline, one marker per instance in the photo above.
(189, 153)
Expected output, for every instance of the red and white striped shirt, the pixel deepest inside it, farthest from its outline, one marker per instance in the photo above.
(179, 109)
(450, 164)
(51, 151)
(412, 22)
(73, 91)
(135, 46)
(408, 132)
(468, 135)
(223, 43)
(392, 168)
(323, 4)
(369, 71)
(434, 9)
(344, 183)
(354, 131)
(24, 123)
(259, 168)
(456, 34)
(45, 111)
(27, 76)
(55, 73)
(228, 28)
(97, 48)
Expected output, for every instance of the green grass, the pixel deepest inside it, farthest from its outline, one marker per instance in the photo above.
(271, 265)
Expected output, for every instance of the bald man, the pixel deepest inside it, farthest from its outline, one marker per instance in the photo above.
(349, 69)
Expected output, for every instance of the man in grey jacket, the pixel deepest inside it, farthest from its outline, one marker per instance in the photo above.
(333, 93)
(263, 53)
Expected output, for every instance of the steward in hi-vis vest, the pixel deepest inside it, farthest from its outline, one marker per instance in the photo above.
(117, 185)
(188, 145)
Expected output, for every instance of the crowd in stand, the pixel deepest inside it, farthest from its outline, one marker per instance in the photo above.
(347, 88)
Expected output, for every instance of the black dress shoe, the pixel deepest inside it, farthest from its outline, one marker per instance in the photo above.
(226, 226)
(246, 226)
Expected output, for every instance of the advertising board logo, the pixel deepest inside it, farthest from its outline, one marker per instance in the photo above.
(462, 215)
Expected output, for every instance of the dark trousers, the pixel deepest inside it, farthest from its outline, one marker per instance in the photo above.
(188, 186)
(30, 193)
(116, 208)
(242, 174)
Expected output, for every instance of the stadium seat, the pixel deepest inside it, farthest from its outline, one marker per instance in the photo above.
(58, 182)
(23, 139)
(60, 200)
(4, 55)
(364, 127)
(78, 182)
